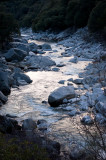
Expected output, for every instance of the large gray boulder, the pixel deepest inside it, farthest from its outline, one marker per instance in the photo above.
(39, 61)
(15, 54)
(29, 124)
(4, 83)
(57, 96)
(21, 46)
(21, 78)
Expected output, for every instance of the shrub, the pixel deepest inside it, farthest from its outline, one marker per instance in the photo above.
(94, 137)
(15, 148)
(8, 26)
(97, 20)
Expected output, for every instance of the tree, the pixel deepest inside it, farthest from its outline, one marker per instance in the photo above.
(8, 26)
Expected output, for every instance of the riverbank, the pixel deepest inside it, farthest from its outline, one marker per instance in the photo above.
(76, 62)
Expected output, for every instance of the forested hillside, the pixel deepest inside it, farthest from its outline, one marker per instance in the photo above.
(57, 14)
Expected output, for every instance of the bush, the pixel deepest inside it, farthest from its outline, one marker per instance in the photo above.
(94, 137)
(15, 148)
(97, 20)
(8, 26)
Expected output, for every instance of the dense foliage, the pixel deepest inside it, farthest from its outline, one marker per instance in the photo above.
(8, 26)
(57, 14)
(97, 19)
(16, 148)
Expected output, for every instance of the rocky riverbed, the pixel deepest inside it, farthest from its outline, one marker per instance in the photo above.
(58, 81)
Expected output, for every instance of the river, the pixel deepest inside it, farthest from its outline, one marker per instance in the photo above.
(26, 102)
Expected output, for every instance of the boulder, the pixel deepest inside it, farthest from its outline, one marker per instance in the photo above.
(21, 78)
(20, 40)
(46, 47)
(39, 61)
(21, 46)
(57, 96)
(15, 54)
(42, 125)
(101, 108)
(78, 81)
(61, 81)
(3, 98)
(29, 124)
(70, 80)
(60, 65)
(8, 125)
(100, 118)
(55, 69)
(74, 60)
(32, 47)
(4, 83)
(73, 113)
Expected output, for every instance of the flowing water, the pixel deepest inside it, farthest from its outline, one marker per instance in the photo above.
(26, 102)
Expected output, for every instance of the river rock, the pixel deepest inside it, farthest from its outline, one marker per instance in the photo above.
(74, 60)
(78, 81)
(20, 40)
(100, 118)
(15, 54)
(3, 98)
(87, 120)
(42, 125)
(73, 113)
(29, 124)
(70, 80)
(4, 83)
(39, 61)
(101, 108)
(21, 46)
(21, 78)
(46, 47)
(8, 125)
(57, 96)
(60, 65)
(74, 100)
(40, 52)
(55, 69)
(61, 81)
(32, 47)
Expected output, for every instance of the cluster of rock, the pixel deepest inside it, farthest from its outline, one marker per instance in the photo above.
(21, 57)
(24, 56)
(28, 130)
